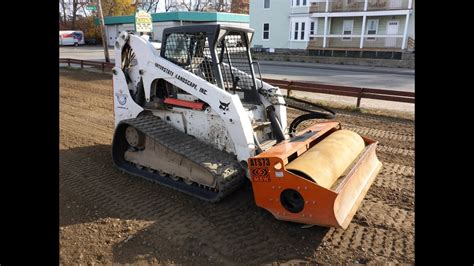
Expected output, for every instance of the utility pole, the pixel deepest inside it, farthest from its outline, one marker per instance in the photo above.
(102, 30)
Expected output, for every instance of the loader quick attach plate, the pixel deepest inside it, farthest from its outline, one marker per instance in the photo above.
(226, 172)
(291, 197)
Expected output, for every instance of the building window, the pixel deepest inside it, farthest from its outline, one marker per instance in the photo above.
(296, 31)
(296, 3)
(299, 28)
(311, 28)
(347, 27)
(302, 31)
(372, 27)
(266, 31)
(266, 3)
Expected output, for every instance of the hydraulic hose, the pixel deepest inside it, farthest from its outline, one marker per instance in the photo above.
(311, 114)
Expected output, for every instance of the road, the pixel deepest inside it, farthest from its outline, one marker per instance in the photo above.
(346, 77)
(379, 78)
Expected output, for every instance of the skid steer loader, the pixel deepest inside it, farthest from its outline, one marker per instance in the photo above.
(194, 116)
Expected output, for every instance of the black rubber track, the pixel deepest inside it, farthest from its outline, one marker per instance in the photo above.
(187, 146)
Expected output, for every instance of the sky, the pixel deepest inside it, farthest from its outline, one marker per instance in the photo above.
(161, 6)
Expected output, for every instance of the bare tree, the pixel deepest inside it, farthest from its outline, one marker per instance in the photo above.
(152, 6)
(84, 11)
(74, 13)
(147, 5)
(170, 4)
(193, 5)
(202, 5)
(221, 5)
(240, 6)
(70, 10)
(63, 5)
(186, 5)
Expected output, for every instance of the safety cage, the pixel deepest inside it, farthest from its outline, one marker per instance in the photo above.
(228, 65)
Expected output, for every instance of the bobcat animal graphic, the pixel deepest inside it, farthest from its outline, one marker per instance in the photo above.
(224, 106)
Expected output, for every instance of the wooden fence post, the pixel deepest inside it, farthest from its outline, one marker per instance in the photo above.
(359, 97)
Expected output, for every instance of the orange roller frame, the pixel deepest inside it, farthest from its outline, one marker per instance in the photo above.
(331, 207)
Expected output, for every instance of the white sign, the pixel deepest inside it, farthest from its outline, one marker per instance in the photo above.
(143, 22)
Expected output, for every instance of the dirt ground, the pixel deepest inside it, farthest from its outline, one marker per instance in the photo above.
(110, 217)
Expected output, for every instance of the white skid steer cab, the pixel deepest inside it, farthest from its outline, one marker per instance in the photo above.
(195, 117)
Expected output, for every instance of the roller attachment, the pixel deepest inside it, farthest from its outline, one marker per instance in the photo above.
(318, 177)
(326, 161)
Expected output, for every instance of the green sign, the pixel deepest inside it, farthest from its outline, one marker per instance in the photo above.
(143, 22)
(93, 8)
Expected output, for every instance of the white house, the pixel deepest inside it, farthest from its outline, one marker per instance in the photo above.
(334, 25)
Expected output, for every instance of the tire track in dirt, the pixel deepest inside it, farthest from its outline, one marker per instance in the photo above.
(402, 126)
(103, 106)
(70, 139)
(375, 242)
(90, 118)
(80, 91)
(102, 184)
(395, 183)
(92, 176)
(381, 215)
(96, 137)
(396, 155)
(378, 133)
(93, 91)
(398, 170)
(394, 187)
(402, 198)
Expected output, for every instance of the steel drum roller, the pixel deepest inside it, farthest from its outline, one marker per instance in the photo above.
(326, 161)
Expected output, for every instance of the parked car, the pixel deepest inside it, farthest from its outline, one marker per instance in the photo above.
(91, 41)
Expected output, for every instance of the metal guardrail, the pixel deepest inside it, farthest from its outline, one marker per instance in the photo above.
(102, 65)
(359, 93)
